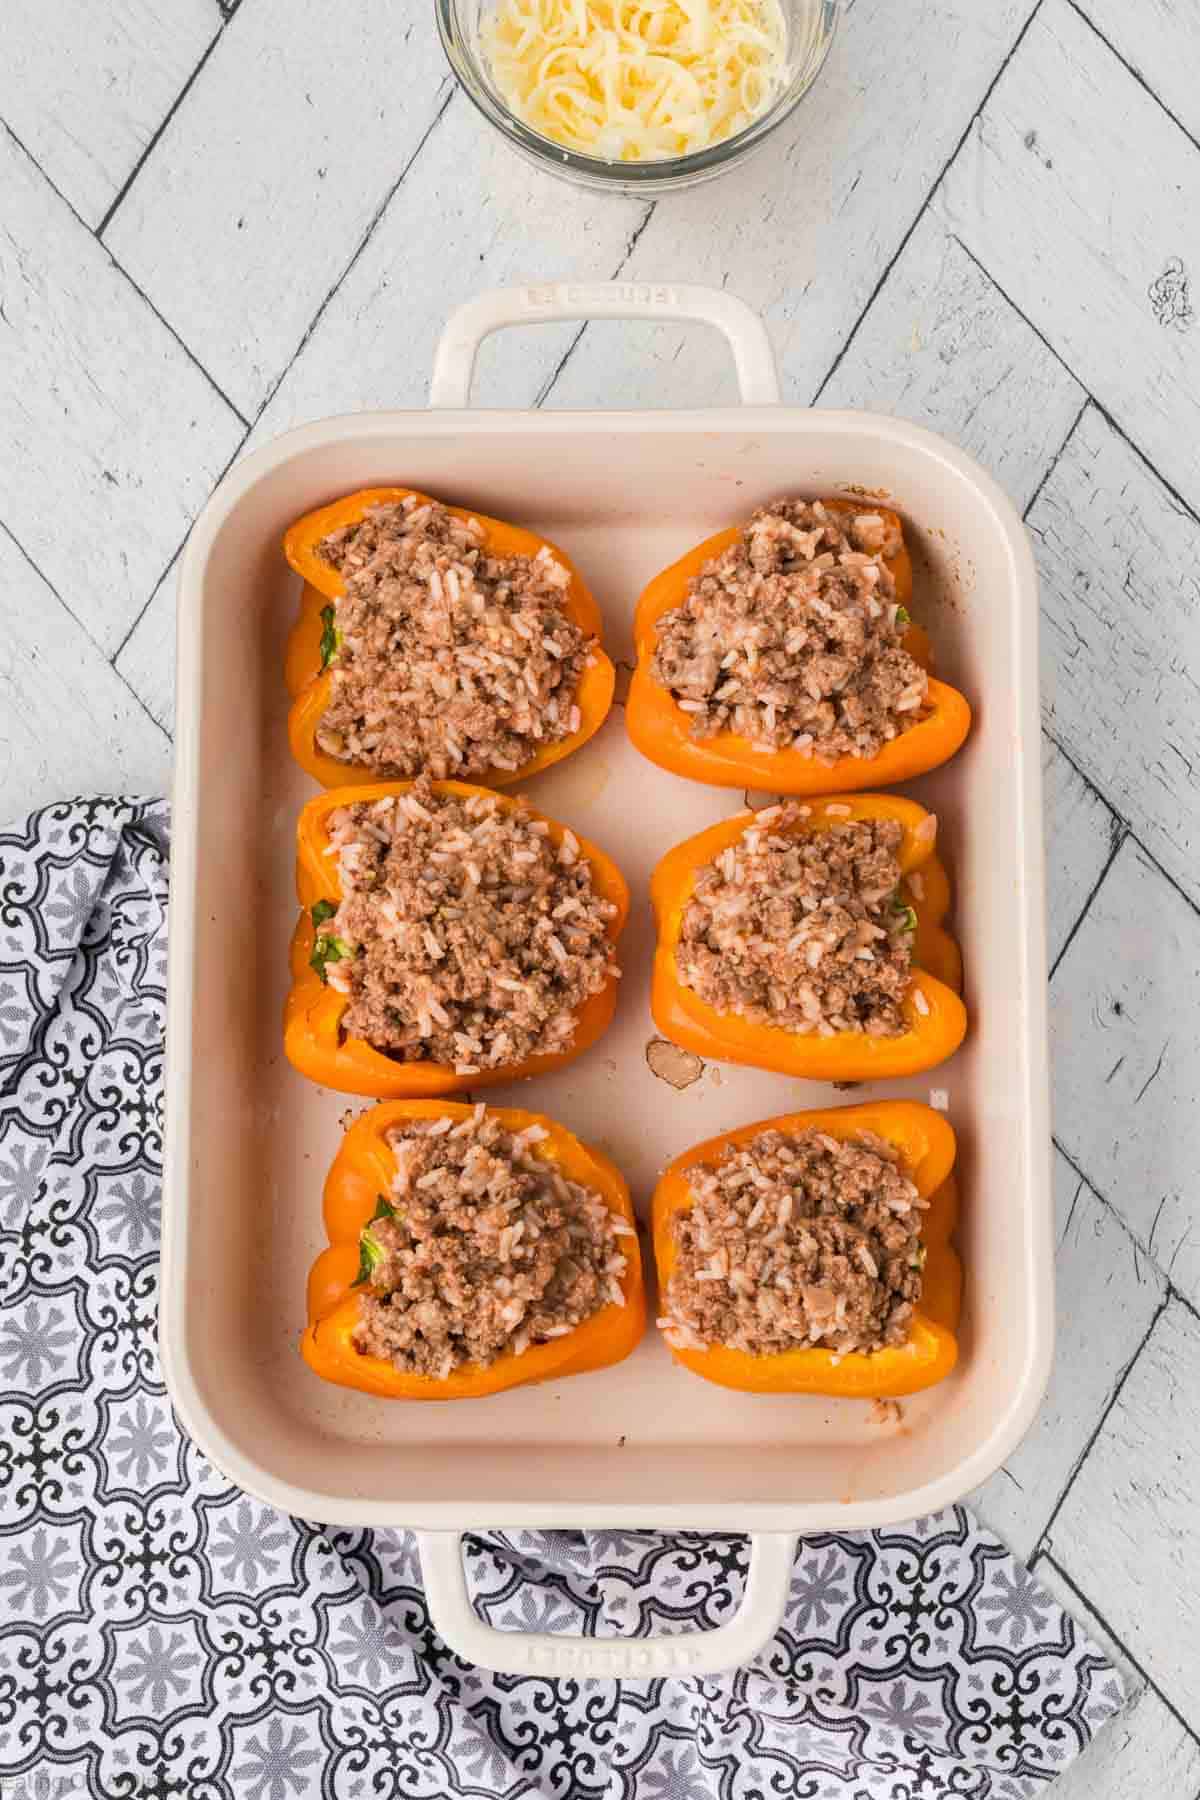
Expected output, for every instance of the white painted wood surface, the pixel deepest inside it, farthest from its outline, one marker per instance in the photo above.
(1080, 196)
(1126, 1531)
(1148, 1750)
(1120, 565)
(1157, 40)
(942, 346)
(68, 723)
(984, 218)
(1108, 1294)
(805, 231)
(87, 87)
(1123, 1008)
(112, 437)
(463, 226)
(146, 660)
(1082, 832)
(271, 174)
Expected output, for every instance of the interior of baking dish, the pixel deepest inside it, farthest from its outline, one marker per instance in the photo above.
(643, 1443)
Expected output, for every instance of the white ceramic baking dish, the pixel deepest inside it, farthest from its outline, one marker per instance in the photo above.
(644, 1444)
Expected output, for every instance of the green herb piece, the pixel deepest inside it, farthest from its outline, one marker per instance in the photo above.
(903, 616)
(331, 637)
(917, 1259)
(326, 950)
(903, 913)
(370, 1251)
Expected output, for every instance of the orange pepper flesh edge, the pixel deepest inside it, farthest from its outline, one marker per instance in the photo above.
(691, 1022)
(661, 731)
(312, 1020)
(364, 1169)
(310, 686)
(303, 652)
(934, 950)
(927, 1148)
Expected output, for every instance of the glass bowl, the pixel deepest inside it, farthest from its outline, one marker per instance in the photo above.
(811, 26)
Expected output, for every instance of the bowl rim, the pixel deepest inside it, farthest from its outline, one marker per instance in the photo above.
(561, 160)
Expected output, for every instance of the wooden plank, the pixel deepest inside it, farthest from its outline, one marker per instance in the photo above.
(112, 437)
(806, 228)
(1160, 39)
(373, 345)
(1123, 1008)
(68, 723)
(1081, 834)
(1051, 1577)
(269, 176)
(463, 220)
(1145, 1753)
(1127, 1529)
(147, 658)
(1107, 1296)
(1120, 567)
(1078, 195)
(86, 87)
(942, 346)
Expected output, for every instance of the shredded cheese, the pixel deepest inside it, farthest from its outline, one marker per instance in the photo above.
(637, 80)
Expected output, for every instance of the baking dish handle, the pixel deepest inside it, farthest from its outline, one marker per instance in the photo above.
(468, 325)
(727, 1646)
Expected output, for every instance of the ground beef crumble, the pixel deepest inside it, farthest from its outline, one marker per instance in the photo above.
(489, 1249)
(797, 1239)
(449, 661)
(802, 930)
(465, 935)
(792, 637)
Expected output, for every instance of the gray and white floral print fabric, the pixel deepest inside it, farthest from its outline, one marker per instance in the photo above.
(161, 1633)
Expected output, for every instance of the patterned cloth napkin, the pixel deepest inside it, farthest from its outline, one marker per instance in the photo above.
(163, 1634)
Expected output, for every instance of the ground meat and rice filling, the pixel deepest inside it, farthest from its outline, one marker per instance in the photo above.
(803, 930)
(795, 1240)
(446, 660)
(483, 1248)
(792, 637)
(465, 935)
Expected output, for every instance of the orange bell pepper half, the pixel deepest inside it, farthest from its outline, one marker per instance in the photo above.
(364, 1169)
(933, 1033)
(312, 1021)
(309, 679)
(662, 732)
(927, 1148)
